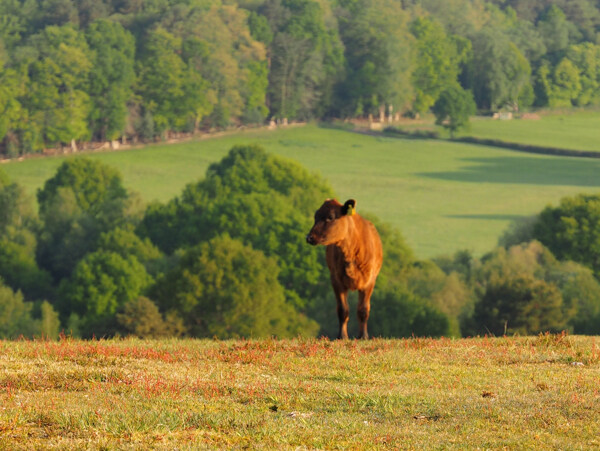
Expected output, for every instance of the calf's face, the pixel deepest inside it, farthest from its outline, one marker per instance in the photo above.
(330, 226)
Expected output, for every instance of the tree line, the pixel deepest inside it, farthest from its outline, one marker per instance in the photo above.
(227, 258)
(78, 71)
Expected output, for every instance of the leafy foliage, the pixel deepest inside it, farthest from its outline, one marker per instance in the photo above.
(15, 314)
(140, 317)
(525, 290)
(453, 108)
(18, 223)
(83, 199)
(102, 283)
(71, 72)
(265, 202)
(572, 230)
(225, 289)
(17, 317)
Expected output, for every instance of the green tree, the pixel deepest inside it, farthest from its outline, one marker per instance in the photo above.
(140, 317)
(444, 293)
(161, 80)
(11, 111)
(49, 322)
(571, 230)
(218, 44)
(83, 199)
(566, 87)
(15, 314)
(264, 201)
(379, 57)
(225, 289)
(554, 29)
(305, 54)
(453, 108)
(398, 312)
(580, 290)
(18, 266)
(100, 286)
(524, 289)
(58, 64)
(499, 74)
(124, 241)
(18, 223)
(521, 305)
(112, 77)
(437, 63)
(586, 57)
(13, 22)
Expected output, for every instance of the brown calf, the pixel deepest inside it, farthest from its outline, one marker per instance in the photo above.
(354, 257)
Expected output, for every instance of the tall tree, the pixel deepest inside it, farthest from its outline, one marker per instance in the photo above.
(162, 78)
(264, 201)
(218, 45)
(111, 79)
(58, 64)
(554, 28)
(101, 284)
(586, 57)
(225, 289)
(11, 111)
(378, 57)
(453, 108)
(437, 62)
(304, 53)
(18, 223)
(83, 199)
(499, 73)
(571, 230)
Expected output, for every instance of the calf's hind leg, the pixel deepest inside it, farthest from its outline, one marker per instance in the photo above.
(363, 310)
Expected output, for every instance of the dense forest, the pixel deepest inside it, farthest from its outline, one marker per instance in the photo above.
(72, 72)
(228, 258)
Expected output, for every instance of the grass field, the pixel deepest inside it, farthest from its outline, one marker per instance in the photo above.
(442, 196)
(483, 393)
(569, 129)
(578, 131)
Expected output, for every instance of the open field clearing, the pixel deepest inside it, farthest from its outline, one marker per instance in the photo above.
(538, 392)
(569, 129)
(577, 131)
(442, 196)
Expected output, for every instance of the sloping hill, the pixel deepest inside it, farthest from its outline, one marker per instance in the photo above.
(442, 196)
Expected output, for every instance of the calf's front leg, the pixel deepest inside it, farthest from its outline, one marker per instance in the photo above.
(343, 312)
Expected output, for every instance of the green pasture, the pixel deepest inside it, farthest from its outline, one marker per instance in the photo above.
(443, 196)
(577, 131)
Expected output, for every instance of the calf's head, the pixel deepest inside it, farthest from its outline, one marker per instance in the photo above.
(331, 222)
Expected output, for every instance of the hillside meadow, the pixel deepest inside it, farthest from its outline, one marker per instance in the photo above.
(485, 393)
(575, 130)
(442, 196)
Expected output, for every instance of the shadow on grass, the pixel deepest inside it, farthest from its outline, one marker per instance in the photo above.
(525, 170)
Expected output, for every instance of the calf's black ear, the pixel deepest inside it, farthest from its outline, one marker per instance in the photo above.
(349, 207)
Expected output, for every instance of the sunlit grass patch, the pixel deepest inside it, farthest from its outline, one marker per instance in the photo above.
(417, 393)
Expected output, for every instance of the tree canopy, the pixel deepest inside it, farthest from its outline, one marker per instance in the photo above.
(71, 73)
(228, 258)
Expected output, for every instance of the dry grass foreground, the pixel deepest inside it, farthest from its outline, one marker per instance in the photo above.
(518, 393)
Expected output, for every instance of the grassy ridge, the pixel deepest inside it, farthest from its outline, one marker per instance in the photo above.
(539, 392)
(442, 196)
